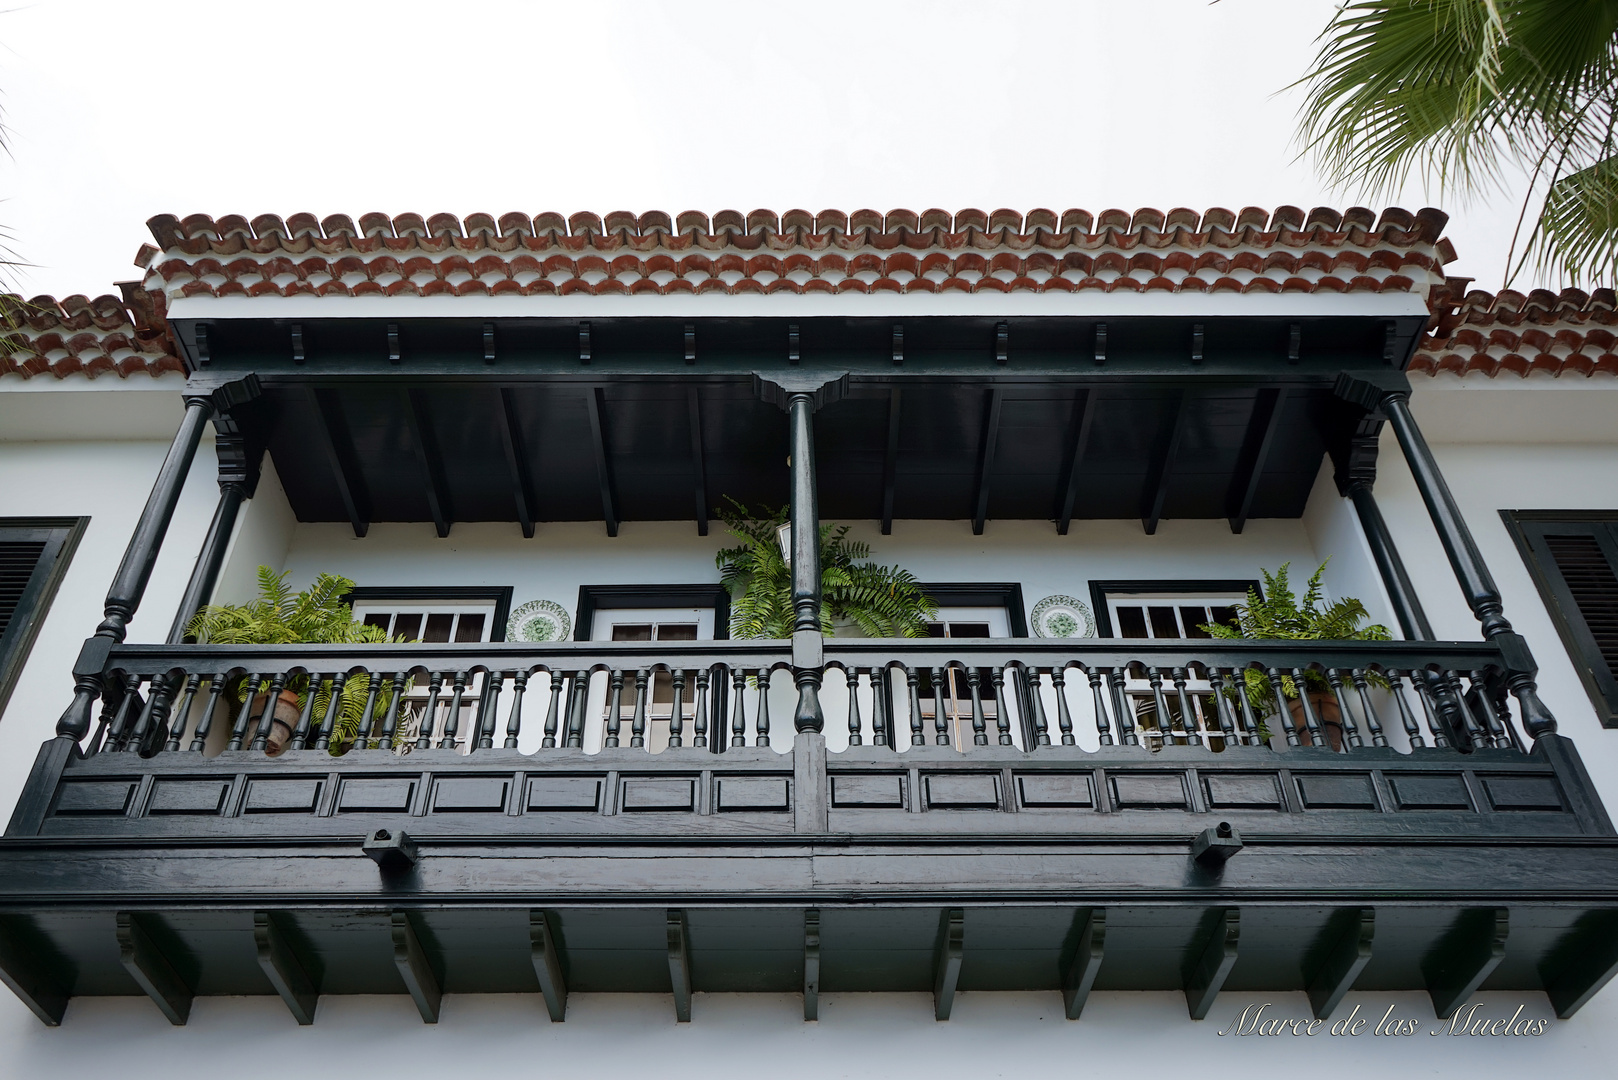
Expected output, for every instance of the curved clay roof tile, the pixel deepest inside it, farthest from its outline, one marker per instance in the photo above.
(971, 218)
(304, 224)
(584, 223)
(1077, 219)
(376, 225)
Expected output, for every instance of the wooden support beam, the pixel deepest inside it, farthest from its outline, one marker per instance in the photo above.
(419, 418)
(417, 973)
(699, 464)
(811, 964)
(395, 349)
(1084, 408)
(595, 400)
(489, 354)
(1581, 963)
(1002, 343)
(547, 955)
(152, 971)
(890, 462)
(991, 435)
(30, 972)
(1261, 428)
(1344, 950)
(1083, 958)
(1210, 960)
(947, 960)
(680, 965)
(1465, 956)
(345, 467)
(522, 484)
(285, 968)
(690, 343)
(1157, 477)
(298, 353)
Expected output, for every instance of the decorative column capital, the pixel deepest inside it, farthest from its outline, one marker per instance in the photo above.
(821, 388)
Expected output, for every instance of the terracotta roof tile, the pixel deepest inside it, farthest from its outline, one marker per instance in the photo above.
(1570, 332)
(77, 334)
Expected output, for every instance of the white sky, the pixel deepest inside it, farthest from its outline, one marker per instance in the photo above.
(119, 111)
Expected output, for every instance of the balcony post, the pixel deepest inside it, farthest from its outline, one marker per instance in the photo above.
(805, 519)
(1391, 396)
(199, 590)
(1407, 608)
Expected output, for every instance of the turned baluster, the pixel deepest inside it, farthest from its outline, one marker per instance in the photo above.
(1188, 715)
(762, 720)
(180, 710)
(1497, 734)
(913, 680)
(239, 732)
(738, 708)
(615, 713)
(1121, 710)
(1222, 712)
(1103, 724)
(1283, 713)
(881, 706)
(1064, 718)
(103, 723)
(1351, 730)
(1036, 699)
(578, 702)
(940, 716)
(272, 698)
(1476, 734)
(368, 714)
(1429, 708)
(452, 722)
(553, 714)
(118, 733)
(1406, 719)
(677, 715)
(637, 726)
(429, 715)
(488, 709)
(151, 713)
(854, 724)
(199, 737)
(1165, 721)
(1373, 722)
(334, 705)
(699, 734)
(390, 718)
(300, 734)
(980, 727)
(514, 721)
(1250, 723)
(1311, 721)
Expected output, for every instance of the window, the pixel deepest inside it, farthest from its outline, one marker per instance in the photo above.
(436, 616)
(653, 624)
(964, 622)
(1573, 558)
(1175, 610)
(34, 553)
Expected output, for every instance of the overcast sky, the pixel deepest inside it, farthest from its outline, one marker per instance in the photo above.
(118, 111)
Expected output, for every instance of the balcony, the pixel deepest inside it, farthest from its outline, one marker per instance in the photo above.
(1115, 823)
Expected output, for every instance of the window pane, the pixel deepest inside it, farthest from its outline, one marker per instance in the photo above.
(1193, 618)
(937, 629)
(438, 627)
(378, 618)
(407, 625)
(470, 627)
(1131, 622)
(676, 631)
(1225, 616)
(632, 632)
(1163, 624)
(968, 629)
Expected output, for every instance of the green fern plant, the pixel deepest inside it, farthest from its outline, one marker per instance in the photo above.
(314, 616)
(1280, 614)
(883, 601)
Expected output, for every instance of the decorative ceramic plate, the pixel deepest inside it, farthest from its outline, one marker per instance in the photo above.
(1062, 617)
(539, 620)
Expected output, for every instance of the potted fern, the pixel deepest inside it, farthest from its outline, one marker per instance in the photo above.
(1279, 614)
(279, 616)
(878, 601)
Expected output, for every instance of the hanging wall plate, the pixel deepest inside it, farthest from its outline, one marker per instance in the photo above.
(539, 620)
(1062, 617)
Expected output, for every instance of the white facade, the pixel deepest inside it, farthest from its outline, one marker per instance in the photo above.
(1512, 444)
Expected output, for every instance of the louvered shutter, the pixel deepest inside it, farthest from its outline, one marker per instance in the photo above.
(1576, 565)
(33, 555)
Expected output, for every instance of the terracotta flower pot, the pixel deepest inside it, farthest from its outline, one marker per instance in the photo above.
(1326, 711)
(283, 721)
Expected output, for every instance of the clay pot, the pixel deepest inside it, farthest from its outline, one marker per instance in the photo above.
(283, 721)
(1326, 711)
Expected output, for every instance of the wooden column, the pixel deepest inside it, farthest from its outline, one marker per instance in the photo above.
(1406, 607)
(1477, 584)
(805, 519)
(205, 574)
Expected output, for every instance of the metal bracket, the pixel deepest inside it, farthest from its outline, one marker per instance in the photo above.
(1212, 848)
(391, 850)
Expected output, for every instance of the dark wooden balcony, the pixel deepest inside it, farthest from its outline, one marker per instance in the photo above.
(1007, 815)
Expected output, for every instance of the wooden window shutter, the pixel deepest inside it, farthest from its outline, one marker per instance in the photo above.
(19, 559)
(1574, 560)
(34, 553)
